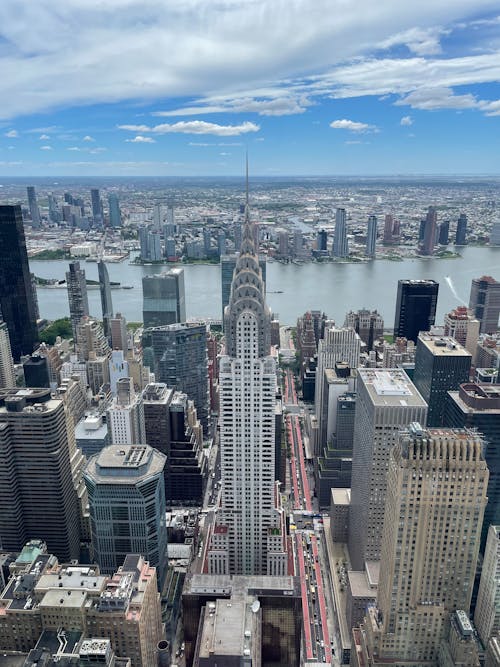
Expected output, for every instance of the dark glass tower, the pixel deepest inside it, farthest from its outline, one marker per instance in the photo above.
(461, 236)
(415, 307)
(106, 303)
(16, 292)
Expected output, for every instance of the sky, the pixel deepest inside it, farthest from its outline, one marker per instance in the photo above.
(308, 87)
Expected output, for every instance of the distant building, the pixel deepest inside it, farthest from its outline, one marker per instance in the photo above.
(125, 416)
(164, 300)
(371, 236)
(444, 233)
(495, 234)
(106, 302)
(369, 325)
(115, 216)
(429, 233)
(77, 295)
(322, 240)
(95, 197)
(484, 301)
(118, 327)
(340, 247)
(461, 235)
(7, 376)
(415, 307)
(33, 206)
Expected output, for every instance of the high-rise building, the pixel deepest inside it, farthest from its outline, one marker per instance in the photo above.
(33, 206)
(461, 235)
(369, 325)
(157, 216)
(118, 326)
(441, 365)
(36, 372)
(95, 197)
(487, 613)
(36, 478)
(115, 216)
(77, 295)
(493, 653)
(164, 300)
(7, 376)
(227, 266)
(462, 325)
(340, 244)
(415, 307)
(444, 233)
(386, 402)
(371, 236)
(388, 228)
(484, 301)
(248, 537)
(180, 361)
(430, 232)
(90, 339)
(106, 303)
(125, 416)
(495, 234)
(436, 495)
(321, 240)
(127, 506)
(17, 305)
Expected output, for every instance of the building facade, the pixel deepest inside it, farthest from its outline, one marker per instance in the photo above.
(164, 300)
(415, 308)
(484, 301)
(77, 295)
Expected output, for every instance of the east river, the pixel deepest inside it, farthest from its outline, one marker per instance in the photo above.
(291, 288)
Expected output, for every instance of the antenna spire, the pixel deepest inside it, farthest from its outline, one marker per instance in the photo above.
(247, 180)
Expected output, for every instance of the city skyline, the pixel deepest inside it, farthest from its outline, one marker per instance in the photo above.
(342, 96)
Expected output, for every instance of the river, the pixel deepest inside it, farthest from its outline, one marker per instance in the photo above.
(292, 289)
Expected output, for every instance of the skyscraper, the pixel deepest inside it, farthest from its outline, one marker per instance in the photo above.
(436, 495)
(321, 240)
(164, 300)
(369, 325)
(227, 266)
(462, 325)
(415, 307)
(461, 235)
(441, 365)
(248, 537)
(7, 377)
(444, 232)
(340, 244)
(386, 402)
(33, 206)
(105, 290)
(127, 506)
(115, 216)
(371, 236)
(430, 232)
(125, 416)
(487, 613)
(77, 295)
(95, 197)
(17, 305)
(484, 301)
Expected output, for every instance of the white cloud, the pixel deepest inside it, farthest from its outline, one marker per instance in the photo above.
(74, 148)
(406, 121)
(195, 127)
(45, 148)
(422, 42)
(490, 108)
(281, 105)
(88, 138)
(139, 139)
(352, 126)
(44, 137)
(12, 134)
(431, 99)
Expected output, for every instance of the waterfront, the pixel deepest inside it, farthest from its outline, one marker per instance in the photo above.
(292, 289)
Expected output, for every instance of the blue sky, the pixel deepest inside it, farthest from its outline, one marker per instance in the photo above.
(150, 87)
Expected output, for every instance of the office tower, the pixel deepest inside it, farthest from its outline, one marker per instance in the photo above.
(441, 365)
(77, 295)
(207, 239)
(36, 372)
(33, 206)
(16, 297)
(493, 653)
(154, 240)
(371, 236)
(97, 372)
(118, 368)
(221, 243)
(484, 301)
(248, 537)
(388, 228)
(415, 307)
(461, 235)
(170, 213)
(91, 435)
(95, 197)
(157, 217)
(115, 216)
(7, 376)
(172, 427)
(237, 236)
(488, 351)
(487, 613)
(118, 327)
(90, 339)
(54, 212)
(340, 244)
(477, 406)
(298, 243)
(38, 496)
(227, 266)
(368, 325)
(335, 382)
(495, 234)
(283, 249)
(105, 290)
(127, 505)
(164, 300)
(143, 234)
(444, 233)
(170, 250)
(428, 242)
(386, 402)
(321, 240)
(462, 325)
(460, 645)
(436, 494)
(125, 415)
(180, 361)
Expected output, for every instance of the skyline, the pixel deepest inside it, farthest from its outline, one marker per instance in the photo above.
(308, 91)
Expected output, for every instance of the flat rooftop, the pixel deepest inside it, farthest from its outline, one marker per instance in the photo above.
(223, 628)
(341, 496)
(442, 345)
(230, 586)
(359, 585)
(390, 386)
(125, 463)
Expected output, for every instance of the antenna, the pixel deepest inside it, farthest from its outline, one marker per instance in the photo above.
(247, 179)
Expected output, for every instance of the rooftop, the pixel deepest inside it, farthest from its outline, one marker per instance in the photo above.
(390, 386)
(341, 496)
(442, 345)
(120, 463)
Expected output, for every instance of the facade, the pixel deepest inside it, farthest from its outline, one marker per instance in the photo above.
(430, 232)
(180, 361)
(36, 477)
(462, 325)
(115, 216)
(127, 506)
(386, 402)
(90, 340)
(415, 308)
(77, 295)
(164, 300)
(493, 653)
(227, 266)
(461, 235)
(119, 338)
(33, 206)
(371, 236)
(441, 365)
(340, 244)
(7, 377)
(369, 325)
(17, 302)
(95, 198)
(125, 416)
(435, 478)
(495, 233)
(91, 435)
(106, 302)
(444, 233)
(484, 301)
(248, 537)
(487, 613)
